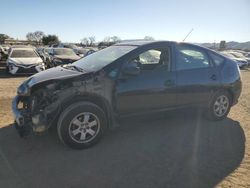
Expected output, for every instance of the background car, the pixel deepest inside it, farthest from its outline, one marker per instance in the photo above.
(241, 62)
(3, 52)
(24, 61)
(60, 56)
(44, 53)
(83, 52)
(80, 51)
(67, 45)
(240, 55)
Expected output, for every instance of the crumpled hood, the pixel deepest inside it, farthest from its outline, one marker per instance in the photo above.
(26, 61)
(65, 57)
(54, 74)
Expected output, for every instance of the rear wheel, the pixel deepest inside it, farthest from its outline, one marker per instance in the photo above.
(81, 125)
(219, 106)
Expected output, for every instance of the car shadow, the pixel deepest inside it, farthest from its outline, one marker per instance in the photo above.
(177, 149)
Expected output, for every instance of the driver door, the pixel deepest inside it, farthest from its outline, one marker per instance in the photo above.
(153, 88)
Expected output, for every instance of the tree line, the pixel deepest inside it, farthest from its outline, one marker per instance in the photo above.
(40, 38)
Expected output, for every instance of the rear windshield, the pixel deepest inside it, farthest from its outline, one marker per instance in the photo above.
(23, 54)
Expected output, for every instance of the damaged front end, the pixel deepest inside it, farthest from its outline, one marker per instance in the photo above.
(38, 105)
(34, 112)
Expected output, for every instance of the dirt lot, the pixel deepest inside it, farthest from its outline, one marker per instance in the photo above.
(178, 149)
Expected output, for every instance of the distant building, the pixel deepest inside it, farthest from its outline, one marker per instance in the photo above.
(11, 41)
(222, 45)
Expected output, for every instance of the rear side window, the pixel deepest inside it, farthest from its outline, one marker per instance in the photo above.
(188, 57)
(218, 60)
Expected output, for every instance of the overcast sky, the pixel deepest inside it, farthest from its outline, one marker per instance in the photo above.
(72, 20)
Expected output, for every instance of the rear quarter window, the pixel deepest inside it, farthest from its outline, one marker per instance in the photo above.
(218, 60)
(189, 57)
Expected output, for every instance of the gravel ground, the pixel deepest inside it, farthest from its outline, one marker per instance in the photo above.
(177, 149)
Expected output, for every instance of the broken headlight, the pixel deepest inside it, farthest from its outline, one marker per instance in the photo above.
(24, 88)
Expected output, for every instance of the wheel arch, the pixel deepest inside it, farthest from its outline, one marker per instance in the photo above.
(227, 90)
(95, 99)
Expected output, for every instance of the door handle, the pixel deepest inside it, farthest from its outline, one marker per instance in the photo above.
(213, 77)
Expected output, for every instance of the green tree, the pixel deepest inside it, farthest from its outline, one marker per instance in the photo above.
(50, 39)
(35, 36)
(148, 38)
(115, 39)
(3, 37)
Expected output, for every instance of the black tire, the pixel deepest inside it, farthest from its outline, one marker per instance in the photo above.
(214, 108)
(71, 134)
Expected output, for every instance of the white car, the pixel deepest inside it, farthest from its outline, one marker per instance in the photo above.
(24, 61)
(241, 56)
(242, 63)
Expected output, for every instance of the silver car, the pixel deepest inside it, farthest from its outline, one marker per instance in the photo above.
(24, 61)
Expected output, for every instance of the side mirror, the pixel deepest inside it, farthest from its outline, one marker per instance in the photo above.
(131, 69)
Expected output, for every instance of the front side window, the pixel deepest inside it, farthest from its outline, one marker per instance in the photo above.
(153, 58)
(188, 57)
(150, 57)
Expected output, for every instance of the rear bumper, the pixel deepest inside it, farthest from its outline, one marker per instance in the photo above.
(236, 92)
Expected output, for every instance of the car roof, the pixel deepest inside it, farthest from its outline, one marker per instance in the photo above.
(140, 42)
(147, 42)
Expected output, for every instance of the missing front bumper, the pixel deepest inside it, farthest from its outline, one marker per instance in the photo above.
(20, 121)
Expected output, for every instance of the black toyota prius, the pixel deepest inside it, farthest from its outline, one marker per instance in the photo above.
(85, 98)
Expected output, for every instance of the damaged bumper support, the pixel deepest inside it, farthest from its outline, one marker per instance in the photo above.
(21, 122)
(24, 123)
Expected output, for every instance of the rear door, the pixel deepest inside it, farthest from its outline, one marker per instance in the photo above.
(196, 75)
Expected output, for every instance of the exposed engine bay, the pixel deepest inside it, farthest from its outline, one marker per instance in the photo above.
(39, 110)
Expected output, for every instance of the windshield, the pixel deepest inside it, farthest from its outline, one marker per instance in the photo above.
(23, 54)
(60, 51)
(100, 59)
(82, 51)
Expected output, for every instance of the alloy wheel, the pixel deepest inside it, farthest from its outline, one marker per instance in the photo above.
(221, 105)
(84, 127)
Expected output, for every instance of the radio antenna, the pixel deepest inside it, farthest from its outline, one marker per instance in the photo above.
(188, 34)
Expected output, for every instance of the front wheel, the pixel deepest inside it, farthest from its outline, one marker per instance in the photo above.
(219, 106)
(81, 125)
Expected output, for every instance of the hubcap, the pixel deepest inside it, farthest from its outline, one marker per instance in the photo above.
(221, 105)
(84, 127)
